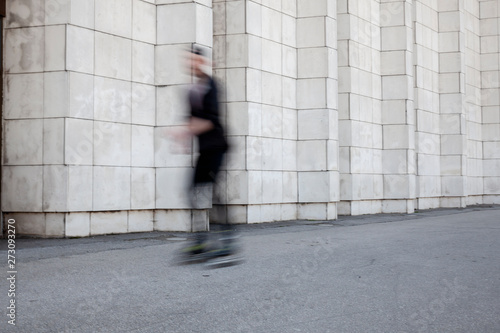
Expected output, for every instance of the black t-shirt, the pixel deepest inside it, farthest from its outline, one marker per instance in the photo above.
(204, 104)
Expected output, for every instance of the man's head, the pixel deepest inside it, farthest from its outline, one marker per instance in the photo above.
(197, 61)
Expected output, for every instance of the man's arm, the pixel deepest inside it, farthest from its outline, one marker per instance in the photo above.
(199, 126)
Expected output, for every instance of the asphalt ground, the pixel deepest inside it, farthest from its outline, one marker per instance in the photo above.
(432, 271)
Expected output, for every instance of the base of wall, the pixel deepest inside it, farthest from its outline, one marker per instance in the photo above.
(365, 207)
(442, 202)
(243, 214)
(84, 224)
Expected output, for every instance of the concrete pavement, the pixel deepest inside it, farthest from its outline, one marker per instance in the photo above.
(433, 271)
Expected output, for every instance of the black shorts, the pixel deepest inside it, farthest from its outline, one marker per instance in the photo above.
(208, 165)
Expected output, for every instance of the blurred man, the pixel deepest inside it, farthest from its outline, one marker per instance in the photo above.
(204, 124)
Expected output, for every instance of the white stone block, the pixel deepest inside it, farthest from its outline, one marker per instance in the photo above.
(289, 7)
(26, 50)
(237, 119)
(144, 21)
(112, 146)
(219, 21)
(22, 189)
(114, 17)
(143, 149)
(80, 188)
(235, 17)
(55, 93)
(236, 157)
(289, 88)
(395, 87)
(395, 38)
(143, 62)
(491, 168)
(255, 189)
(289, 26)
(237, 191)
(452, 165)
(108, 223)
(395, 161)
(254, 214)
(171, 105)
(311, 32)
(55, 187)
(449, 21)
(402, 132)
(290, 124)
(236, 51)
(429, 165)
(453, 144)
(80, 49)
(290, 187)
(491, 132)
(489, 27)
(81, 95)
(83, 13)
(429, 186)
(236, 90)
(491, 150)
(491, 187)
(307, 8)
(113, 57)
(23, 142)
(314, 187)
(313, 124)
(111, 188)
(289, 155)
(28, 223)
(428, 203)
(312, 211)
(313, 62)
(453, 186)
(271, 24)
(396, 186)
(311, 155)
(311, 93)
(254, 51)
(55, 48)
(23, 96)
(254, 153)
(272, 187)
(288, 212)
(79, 141)
(54, 224)
(272, 121)
(53, 141)
(393, 63)
(272, 56)
(142, 188)
(204, 29)
(271, 89)
(143, 104)
(171, 71)
(237, 214)
(271, 213)
(112, 100)
(392, 14)
(172, 220)
(20, 14)
(171, 187)
(394, 206)
(448, 5)
(449, 42)
(77, 225)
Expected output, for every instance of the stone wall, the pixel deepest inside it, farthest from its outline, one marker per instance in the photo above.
(331, 107)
